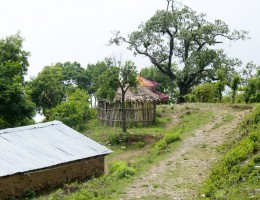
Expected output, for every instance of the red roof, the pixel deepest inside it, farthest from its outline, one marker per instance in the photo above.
(152, 85)
(163, 97)
(147, 83)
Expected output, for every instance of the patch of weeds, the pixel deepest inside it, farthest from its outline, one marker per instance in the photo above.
(29, 194)
(81, 127)
(162, 120)
(117, 139)
(140, 144)
(228, 118)
(185, 158)
(70, 188)
(159, 147)
(203, 146)
(163, 144)
(256, 159)
(192, 121)
(120, 170)
(171, 137)
(169, 162)
(156, 185)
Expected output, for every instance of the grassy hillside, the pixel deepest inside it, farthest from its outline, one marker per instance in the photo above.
(237, 176)
(133, 153)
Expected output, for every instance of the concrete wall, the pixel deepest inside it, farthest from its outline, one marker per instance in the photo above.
(16, 185)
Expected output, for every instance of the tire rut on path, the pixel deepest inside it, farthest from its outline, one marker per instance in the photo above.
(181, 173)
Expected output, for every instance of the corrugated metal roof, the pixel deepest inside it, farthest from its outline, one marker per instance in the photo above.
(43, 145)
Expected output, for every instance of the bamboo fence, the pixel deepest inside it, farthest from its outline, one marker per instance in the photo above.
(138, 113)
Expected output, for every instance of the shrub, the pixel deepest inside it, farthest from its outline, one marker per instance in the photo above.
(140, 144)
(190, 98)
(161, 145)
(205, 93)
(116, 139)
(74, 111)
(120, 169)
(29, 194)
(171, 137)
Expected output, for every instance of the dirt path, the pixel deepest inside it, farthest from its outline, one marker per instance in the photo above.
(181, 173)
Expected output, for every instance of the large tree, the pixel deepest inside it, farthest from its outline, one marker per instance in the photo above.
(15, 106)
(181, 34)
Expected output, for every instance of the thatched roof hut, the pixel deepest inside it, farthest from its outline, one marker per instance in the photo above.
(139, 93)
(140, 108)
(140, 105)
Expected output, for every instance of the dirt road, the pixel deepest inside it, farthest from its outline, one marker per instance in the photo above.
(180, 175)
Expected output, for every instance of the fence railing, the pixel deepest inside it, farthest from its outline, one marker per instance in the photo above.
(137, 113)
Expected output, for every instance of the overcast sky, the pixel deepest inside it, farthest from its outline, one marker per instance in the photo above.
(78, 30)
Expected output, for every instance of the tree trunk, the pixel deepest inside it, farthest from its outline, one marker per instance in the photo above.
(183, 91)
(123, 112)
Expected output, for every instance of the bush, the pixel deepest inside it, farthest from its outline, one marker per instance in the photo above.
(116, 139)
(171, 137)
(120, 169)
(140, 144)
(74, 111)
(29, 194)
(161, 145)
(191, 98)
(205, 93)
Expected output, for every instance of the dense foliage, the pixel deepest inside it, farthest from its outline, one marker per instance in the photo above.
(15, 106)
(206, 93)
(75, 111)
(47, 89)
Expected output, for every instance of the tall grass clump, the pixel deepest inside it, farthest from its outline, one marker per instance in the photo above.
(120, 170)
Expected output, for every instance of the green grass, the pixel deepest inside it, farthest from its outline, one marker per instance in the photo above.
(237, 176)
(226, 119)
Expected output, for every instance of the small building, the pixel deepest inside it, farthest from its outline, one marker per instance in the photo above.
(46, 155)
(140, 108)
(140, 105)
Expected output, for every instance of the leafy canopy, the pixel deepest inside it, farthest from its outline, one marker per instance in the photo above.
(182, 35)
(47, 89)
(12, 51)
(116, 76)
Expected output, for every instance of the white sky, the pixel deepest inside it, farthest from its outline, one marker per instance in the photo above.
(78, 30)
